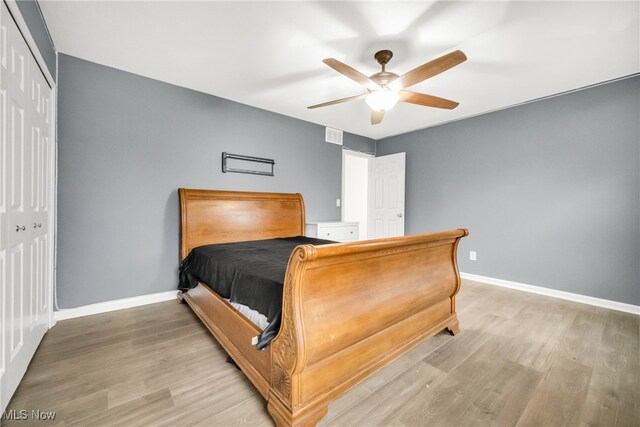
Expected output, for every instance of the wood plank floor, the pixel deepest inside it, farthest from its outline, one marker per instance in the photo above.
(520, 360)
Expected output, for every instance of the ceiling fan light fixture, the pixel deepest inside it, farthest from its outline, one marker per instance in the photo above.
(382, 100)
(386, 88)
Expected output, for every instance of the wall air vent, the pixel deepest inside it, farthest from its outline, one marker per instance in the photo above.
(333, 136)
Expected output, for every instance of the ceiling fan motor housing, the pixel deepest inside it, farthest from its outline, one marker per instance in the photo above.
(383, 77)
(383, 57)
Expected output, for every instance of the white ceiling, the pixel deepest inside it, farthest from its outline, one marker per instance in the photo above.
(268, 54)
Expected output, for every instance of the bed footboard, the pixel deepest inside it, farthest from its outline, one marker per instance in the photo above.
(350, 309)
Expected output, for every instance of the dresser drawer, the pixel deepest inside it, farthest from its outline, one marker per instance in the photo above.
(338, 231)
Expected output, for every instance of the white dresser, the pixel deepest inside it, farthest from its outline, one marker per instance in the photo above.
(333, 230)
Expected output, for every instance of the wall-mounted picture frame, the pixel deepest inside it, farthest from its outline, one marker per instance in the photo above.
(238, 163)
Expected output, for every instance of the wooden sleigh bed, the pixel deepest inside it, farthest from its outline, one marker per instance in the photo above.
(348, 309)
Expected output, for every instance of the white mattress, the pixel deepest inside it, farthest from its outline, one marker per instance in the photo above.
(260, 320)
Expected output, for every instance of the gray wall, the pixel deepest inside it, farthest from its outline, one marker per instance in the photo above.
(550, 191)
(360, 143)
(126, 143)
(31, 13)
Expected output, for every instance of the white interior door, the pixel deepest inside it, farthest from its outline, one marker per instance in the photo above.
(386, 196)
(25, 205)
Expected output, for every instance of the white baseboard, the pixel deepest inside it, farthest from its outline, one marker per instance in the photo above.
(119, 304)
(584, 299)
(104, 307)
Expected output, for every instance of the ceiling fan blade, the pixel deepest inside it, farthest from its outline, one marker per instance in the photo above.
(428, 70)
(338, 101)
(352, 73)
(427, 100)
(376, 117)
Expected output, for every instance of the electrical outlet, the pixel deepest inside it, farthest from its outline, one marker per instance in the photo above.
(338, 202)
(472, 255)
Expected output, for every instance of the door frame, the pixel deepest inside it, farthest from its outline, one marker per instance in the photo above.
(348, 152)
(15, 13)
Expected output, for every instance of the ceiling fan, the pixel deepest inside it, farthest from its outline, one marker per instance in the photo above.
(386, 88)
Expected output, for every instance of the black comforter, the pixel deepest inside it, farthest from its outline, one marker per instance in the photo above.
(249, 273)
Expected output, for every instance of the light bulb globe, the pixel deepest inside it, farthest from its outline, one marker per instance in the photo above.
(380, 100)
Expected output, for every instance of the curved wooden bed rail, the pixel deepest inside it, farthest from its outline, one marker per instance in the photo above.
(348, 309)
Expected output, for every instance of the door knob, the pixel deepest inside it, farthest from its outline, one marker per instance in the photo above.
(399, 215)
(18, 228)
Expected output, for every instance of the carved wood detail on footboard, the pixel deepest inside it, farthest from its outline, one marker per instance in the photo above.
(350, 309)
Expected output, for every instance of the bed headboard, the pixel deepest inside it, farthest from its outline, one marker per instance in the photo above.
(212, 216)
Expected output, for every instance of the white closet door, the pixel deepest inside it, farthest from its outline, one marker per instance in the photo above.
(38, 203)
(4, 227)
(24, 206)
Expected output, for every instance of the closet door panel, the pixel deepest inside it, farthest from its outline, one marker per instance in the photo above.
(25, 155)
(16, 298)
(39, 188)
(18, 152)
(44, 296)
(4, 226)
